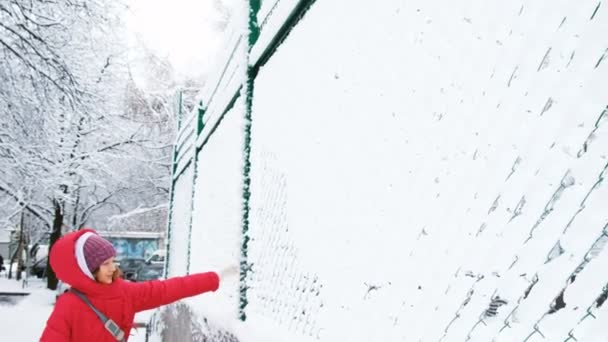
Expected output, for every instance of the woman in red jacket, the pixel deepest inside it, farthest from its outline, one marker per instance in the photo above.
(85, 261)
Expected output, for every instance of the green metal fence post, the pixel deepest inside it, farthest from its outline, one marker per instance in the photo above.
(245, 266)
(178, 110)
(200, 124)
(199, 128)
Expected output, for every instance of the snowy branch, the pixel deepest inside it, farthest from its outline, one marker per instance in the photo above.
(25, 205)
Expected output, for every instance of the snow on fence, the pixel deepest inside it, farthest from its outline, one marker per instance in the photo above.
(407, 171)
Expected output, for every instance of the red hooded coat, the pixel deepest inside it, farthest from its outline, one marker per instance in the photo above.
(73, 320)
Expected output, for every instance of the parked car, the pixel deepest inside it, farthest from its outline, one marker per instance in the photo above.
(129, 266)
(38, 268)
(149, 272)
(158, 257)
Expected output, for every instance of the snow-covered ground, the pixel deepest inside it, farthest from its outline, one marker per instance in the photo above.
(25, 320)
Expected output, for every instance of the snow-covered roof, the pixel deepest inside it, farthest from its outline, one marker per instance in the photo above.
(131, 234)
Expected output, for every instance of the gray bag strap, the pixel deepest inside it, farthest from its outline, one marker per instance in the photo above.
(109, 324)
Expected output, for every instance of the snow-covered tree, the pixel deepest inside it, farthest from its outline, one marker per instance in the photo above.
(76, 138)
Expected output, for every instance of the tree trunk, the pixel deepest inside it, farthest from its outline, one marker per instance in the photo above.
(20, 251)
(55, 235)
(10, 266)
(75, 223)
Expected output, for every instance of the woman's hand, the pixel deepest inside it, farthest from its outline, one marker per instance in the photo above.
(228, 272)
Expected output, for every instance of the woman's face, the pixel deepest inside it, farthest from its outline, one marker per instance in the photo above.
(106, 271)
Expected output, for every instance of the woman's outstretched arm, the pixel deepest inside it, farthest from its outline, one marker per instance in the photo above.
(152, 294)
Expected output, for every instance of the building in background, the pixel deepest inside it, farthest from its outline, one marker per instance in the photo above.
(134, 245)
(5, 240)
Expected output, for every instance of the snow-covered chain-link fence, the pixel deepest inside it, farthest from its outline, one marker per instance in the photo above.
(178, 322)
(403, 171)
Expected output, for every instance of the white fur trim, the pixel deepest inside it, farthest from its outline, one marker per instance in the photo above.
(82, 262)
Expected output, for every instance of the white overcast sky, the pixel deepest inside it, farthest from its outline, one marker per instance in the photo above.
(183, 30)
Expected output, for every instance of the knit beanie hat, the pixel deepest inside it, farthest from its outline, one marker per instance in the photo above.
(91, 251)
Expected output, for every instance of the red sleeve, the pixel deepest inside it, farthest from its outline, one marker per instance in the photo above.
(152, 294)
(58, 326)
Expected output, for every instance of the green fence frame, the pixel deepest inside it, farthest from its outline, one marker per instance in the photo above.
(247, 90)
